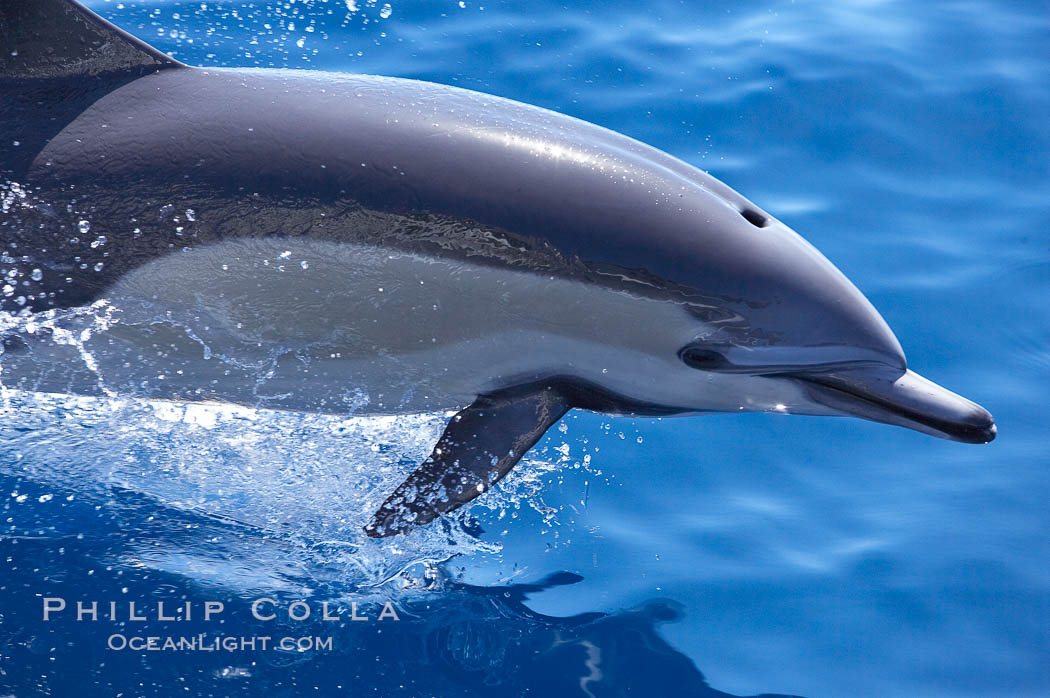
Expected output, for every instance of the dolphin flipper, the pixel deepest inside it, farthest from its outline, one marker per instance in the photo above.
(478, 447)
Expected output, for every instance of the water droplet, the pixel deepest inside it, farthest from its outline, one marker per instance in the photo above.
(304, 264)
(84, 226)
(191, 215)
(98, 267)
(386, 11)
(36, 275)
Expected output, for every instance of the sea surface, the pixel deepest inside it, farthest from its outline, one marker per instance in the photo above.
(723, 555)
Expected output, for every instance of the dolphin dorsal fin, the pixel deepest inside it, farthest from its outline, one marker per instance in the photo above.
(62, 39)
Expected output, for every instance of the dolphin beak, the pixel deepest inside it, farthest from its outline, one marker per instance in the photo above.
(905, 399)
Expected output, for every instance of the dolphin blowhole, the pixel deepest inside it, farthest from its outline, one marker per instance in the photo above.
(278, 237)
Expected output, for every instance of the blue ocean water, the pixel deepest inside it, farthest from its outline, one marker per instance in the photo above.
(723, 555)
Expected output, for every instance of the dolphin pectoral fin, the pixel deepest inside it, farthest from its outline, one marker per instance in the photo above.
(478, 447)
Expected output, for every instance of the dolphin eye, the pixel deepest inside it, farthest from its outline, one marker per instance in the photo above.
(702, 359)
(755, 218)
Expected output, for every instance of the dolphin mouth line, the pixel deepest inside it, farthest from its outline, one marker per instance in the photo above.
(976, 426)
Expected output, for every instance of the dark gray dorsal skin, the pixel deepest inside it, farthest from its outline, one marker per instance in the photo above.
(442, 248)
(54, 75)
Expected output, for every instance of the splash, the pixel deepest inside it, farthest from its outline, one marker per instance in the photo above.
(231, 494)
(295, 33)
(273, 498)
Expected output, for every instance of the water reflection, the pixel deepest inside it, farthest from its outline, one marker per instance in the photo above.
(451, 639)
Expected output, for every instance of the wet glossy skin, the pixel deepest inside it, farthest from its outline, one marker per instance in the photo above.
(570, 193)
(186, 158)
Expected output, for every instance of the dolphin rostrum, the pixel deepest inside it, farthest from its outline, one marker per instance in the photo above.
(341, 243)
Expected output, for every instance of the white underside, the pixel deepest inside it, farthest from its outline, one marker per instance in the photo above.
(319, 326)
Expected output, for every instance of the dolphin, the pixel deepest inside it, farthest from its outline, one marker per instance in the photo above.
(348, 243)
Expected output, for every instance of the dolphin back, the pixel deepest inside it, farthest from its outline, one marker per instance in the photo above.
(56, 59)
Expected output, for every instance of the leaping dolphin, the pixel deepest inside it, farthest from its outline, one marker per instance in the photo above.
(328, 242)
